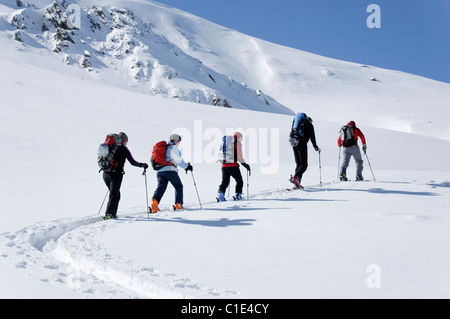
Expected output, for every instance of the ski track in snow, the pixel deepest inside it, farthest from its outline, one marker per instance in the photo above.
(66, 252)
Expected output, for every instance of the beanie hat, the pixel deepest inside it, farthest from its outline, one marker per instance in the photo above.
(175, 137)
(123, 136)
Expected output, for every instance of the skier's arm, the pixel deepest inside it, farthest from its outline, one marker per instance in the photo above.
(175, 155)
(132, 161)
(240, 157)
(339, 141)
(313, 138)
(360, 134)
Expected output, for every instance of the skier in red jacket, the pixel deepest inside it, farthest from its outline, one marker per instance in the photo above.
(348, 139)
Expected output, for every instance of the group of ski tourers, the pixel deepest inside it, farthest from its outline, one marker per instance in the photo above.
(303, 131)
(166, 159)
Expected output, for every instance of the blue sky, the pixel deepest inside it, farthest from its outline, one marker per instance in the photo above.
(414, 36)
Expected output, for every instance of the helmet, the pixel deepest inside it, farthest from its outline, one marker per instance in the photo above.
(175, 137)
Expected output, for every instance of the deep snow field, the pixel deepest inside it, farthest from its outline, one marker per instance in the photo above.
(278, 244)
(372, 239)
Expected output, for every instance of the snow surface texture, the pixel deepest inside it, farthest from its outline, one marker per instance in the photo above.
(383, 239)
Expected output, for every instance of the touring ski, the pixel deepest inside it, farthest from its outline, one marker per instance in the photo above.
(295, 188)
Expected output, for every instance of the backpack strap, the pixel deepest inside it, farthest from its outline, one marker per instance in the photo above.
(224, 148)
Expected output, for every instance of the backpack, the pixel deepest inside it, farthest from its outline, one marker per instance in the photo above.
(106, 152)
(297, 135)
(226, 150)
(348, 136)
(158, 158)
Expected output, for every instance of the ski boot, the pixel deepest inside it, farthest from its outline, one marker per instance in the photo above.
(154, 208)
(221, 197)
(109, 217)
(178, 206)
(238, 196)
(294, 180)
(343, 178)
(359, 178)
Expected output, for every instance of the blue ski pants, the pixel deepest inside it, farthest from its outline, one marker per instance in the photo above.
(163, 180)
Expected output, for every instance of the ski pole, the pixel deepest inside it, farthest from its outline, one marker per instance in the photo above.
(370, 166)
(107, 192)
(339, 162)
(320, 170)
(247, 185)
(146, 192)
(195, 184)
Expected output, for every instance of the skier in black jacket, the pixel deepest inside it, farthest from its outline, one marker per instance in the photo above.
(113, 178)
(301, 150)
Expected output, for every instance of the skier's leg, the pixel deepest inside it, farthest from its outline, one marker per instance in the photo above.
(175, 180)
(345, 161)
(114, 182)
(359, 161)
(162, 186)
(236, 173)
(303, 161)
(225, 180)
(298, 160)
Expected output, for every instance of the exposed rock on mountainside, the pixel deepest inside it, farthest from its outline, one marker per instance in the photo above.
(111, 41)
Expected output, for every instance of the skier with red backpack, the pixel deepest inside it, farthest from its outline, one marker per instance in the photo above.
(348, 139)
(111, 159)
(166, 157)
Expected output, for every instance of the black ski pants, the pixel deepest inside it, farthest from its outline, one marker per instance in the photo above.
(301, 159)
(234, 172)
(113, 181)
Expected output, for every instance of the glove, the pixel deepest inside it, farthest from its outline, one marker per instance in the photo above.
(364, 148)
(247, 167)
(317, 149)
(189, 168)
(144, 165)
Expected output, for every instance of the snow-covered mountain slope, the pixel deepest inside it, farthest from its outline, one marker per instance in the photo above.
(383, 239)
(155, 49)
(323, 242)
(118, 47)
(326, 88)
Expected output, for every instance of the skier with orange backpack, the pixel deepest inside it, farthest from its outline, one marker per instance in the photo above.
(166, 157)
